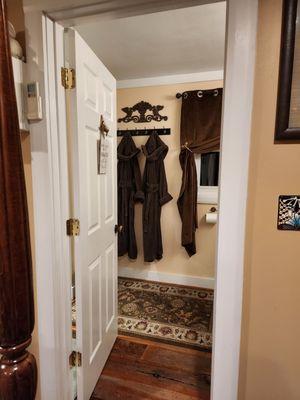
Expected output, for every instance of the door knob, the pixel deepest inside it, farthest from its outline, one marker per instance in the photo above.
(118, 228)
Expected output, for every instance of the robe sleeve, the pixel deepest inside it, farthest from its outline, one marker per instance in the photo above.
(164, 195)
(139, 194)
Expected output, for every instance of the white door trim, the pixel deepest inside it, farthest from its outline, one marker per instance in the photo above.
(233, 189)
(51, 209)
(48, 176)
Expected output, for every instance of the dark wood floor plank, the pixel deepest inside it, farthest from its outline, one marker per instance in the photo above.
(174, 359)
(125, 348)
(142, 372)
(115, 388)
(140, 369)
(162, 345)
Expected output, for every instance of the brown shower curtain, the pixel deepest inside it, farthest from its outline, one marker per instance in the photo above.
(199, 133)
(18, 374)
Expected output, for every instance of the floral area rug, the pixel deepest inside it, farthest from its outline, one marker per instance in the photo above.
(170, 313)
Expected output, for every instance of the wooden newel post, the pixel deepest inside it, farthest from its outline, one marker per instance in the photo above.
(18, 372)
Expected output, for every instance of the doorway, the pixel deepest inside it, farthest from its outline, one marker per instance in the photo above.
(165, 309)
(219, 228)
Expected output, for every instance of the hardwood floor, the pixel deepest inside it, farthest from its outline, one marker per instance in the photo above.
(139, 369)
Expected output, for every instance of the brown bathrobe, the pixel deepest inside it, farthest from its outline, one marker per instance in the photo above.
(156, 195)
(129, 192)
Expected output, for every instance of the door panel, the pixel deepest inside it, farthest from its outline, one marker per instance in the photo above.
(95, 204)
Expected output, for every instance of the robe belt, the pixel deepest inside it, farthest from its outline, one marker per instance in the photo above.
(151, 188)
(124, 185)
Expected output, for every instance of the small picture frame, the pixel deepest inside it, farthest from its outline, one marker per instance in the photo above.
(288, 213)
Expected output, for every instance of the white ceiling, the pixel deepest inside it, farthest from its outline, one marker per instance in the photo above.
(172, 42)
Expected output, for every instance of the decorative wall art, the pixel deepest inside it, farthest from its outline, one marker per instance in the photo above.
(138, 113)
(288, 99)
(289, 212)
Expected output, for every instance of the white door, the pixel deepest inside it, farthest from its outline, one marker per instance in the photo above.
(95, 205)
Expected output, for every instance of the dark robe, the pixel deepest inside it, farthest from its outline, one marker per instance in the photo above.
(156, 195)
(200, 130)
(129, 191)
(187, 201)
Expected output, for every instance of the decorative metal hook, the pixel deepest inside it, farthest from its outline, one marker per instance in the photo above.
(104, 129)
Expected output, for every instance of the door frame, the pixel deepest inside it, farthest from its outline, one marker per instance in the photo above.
(51, 204)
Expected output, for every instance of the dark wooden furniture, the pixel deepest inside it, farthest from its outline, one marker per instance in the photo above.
(18, 372)
(283, 131)
(149, 370)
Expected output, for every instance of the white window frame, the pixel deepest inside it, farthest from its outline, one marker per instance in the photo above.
(206, 194)
(50, 200)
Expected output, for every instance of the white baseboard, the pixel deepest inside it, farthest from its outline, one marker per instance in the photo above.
(171, 79)
(188, 280)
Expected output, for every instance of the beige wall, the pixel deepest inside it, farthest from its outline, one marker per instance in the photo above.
(270, 352)
(175, 259)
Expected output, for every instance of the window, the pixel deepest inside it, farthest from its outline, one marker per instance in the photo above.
(208, 177)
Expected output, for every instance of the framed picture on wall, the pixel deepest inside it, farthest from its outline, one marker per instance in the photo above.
(287, 125)
(289, 213)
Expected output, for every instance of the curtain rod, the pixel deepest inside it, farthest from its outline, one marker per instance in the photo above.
(200, 93)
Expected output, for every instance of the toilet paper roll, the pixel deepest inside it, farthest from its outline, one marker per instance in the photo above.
(211, 218)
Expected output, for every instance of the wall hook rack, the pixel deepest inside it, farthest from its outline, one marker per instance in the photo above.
(144, 132)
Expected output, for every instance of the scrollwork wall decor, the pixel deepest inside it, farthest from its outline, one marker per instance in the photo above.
(141, 108)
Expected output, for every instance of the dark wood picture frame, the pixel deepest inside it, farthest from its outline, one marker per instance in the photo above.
(283, 132)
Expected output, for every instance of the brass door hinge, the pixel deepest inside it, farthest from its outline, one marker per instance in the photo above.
(68, 78)
(75, 359)
(73, 227)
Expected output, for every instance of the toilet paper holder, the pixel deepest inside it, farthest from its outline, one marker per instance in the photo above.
(212, 216)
